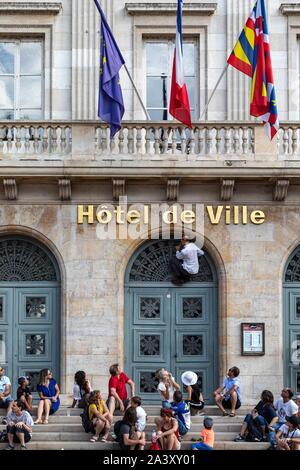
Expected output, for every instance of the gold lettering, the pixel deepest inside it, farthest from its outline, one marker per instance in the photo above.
(228, 215)
(133, 217)
(81, 213)
(257, 217)
(245, 215)
(104, 216)
(119, 212)
(236, 217)
(188, 217)
(215, 219)
(146, 215)
(171, 217)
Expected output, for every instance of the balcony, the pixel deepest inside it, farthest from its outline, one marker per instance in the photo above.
(208, 143)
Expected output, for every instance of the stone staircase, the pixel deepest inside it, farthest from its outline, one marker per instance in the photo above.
(65, 432)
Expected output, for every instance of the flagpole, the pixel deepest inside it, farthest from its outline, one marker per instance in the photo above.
(137, 94)
(213, 92)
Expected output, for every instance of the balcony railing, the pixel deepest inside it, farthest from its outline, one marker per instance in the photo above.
(91, 139)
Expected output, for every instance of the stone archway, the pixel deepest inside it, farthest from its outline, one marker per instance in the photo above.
(169, 326)
(29, 308)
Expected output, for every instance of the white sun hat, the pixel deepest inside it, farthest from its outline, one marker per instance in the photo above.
(189, 378)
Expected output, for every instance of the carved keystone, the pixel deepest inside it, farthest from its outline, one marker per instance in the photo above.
(118, 188)
(64, 189)
(281, 189)
(10, 189)
(227, 187)
(172, 190)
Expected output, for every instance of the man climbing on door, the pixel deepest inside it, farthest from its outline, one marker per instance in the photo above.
(185, 263)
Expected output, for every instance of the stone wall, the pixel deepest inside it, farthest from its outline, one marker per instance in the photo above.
(250, 261)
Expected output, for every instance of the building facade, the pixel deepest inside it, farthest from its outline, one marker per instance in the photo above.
(70, 300)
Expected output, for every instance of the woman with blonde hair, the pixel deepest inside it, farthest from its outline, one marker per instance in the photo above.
(48, 391)
(166, 387)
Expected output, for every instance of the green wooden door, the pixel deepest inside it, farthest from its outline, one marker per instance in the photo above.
(29, 331)
(168, 326)
(292, 337)
(29, 309)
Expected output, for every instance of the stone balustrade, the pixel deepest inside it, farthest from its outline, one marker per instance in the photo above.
(91, 139)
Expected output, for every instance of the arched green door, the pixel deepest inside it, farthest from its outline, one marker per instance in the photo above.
(169, 326)
(29, 309)
(291, 322)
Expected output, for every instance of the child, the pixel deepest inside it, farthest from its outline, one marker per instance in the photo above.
(24, 393)
(136, 402)
(182, 411)
(207, 436)
(288, 436)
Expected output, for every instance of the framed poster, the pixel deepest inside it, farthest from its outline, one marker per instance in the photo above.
(253, 339)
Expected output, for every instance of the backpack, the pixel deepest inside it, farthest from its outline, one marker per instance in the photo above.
(86, 423)
(117, 428)
(254, 433)
(3, 436)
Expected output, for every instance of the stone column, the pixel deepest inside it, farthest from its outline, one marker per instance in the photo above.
(86, 56)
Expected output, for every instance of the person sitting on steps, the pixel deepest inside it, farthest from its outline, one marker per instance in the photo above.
(81, 390)
(263, 417)
(6, 400)
(24, 393)
(19, 426)
(99, 417)
(228, 396)
(185, 263)
(117, 392)
(48, 391)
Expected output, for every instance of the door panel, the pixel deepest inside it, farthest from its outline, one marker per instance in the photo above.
(6, 329)
(174, 328)
(29, 326)
(292, 338)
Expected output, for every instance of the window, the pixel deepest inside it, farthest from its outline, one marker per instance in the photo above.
(21, 77)
(159, 64)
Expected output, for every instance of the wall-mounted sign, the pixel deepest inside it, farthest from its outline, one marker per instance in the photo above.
(253, 339)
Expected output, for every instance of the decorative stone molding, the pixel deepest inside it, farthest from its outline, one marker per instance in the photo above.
(172, 189)
(281, 189)
(227, 187)
(150, 8)
(42, 8)
(290, 9)
(64, 189)
(118, 188)
(10, 189)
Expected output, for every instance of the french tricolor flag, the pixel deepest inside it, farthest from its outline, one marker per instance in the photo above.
(179, 98)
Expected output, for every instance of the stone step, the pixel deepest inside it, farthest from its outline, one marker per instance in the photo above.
(74, 445)
(153, 410)
(77, 427)
(82, 436)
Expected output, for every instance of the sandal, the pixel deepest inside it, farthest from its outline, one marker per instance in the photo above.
(45, 421)
(232, 415)
(103, 439)
(38, 421)
(225, 413)
(94, 439)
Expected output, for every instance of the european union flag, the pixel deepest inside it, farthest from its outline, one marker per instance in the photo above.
(111, 105)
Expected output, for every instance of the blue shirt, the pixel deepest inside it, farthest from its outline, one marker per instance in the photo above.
(183, 412)
(229, 384)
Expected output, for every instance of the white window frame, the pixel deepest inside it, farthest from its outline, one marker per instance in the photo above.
(17, 73)
(171, 45)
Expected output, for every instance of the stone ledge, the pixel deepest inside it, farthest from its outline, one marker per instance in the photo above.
(290, 9)
(46, 8)
(142, 8)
